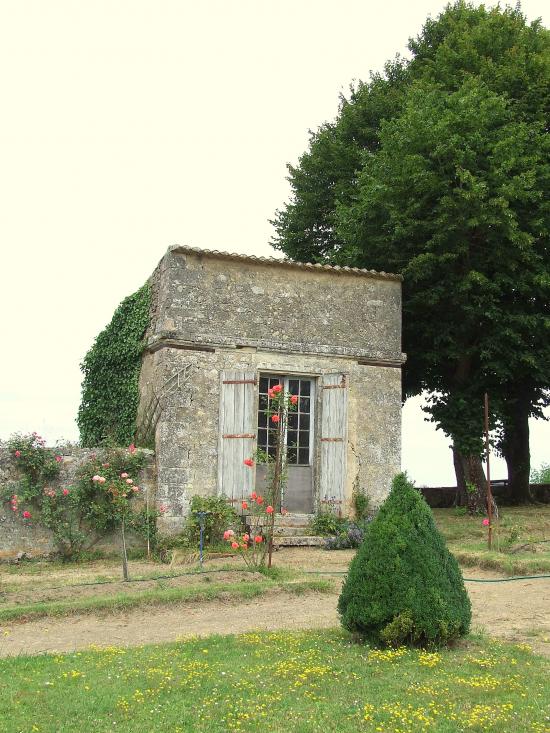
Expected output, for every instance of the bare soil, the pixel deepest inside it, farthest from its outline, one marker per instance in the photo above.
(517, 611)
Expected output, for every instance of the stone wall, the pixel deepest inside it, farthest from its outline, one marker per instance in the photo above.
(19, 536)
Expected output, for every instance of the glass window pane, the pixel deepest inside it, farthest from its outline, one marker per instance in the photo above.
(263, 402)
(304, 421)
(305, 387)
(262, 419)
(292, 437)
(294, 385)
(304, 438)
(292, 456)
(304, 404)
(262, 437)
(303, 456)
(273, 381)
(263, 384)
(292, 421)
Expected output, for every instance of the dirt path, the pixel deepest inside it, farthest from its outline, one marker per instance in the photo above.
(517, 611)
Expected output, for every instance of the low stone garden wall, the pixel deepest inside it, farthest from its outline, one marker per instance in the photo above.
(24, 537)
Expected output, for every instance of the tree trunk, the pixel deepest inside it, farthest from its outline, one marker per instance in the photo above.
(470, 481)
(515, 449)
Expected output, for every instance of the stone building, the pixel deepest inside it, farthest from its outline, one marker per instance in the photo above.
(226, 327)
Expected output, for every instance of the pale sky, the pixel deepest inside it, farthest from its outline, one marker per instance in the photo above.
(131, 125)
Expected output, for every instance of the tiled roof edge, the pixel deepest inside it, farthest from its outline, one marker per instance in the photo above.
(336, 269)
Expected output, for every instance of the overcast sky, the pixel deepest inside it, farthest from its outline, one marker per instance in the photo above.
(131, 125)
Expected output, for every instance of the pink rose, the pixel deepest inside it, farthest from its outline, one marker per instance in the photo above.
(66, 492)
(244, 505)
(258, 539)
(58, 459)
(17, 454)
(131, 448)
(277, 388)
(129, 481)
(26, 515)
(235, 545)
(294, 399)
(228, 534)
(101, 479)
(485, 523)
(269, 509)
(275, 418)
(135, 489)
(124, 475)
(96, 477)
(105, 465)
(162, 508)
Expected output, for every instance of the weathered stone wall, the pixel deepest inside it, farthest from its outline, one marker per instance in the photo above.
(215, 313)
(19, 536)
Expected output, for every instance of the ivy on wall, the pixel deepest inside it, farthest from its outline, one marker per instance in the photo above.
(110, 395)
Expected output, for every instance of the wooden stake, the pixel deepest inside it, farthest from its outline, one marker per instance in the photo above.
(489, 493)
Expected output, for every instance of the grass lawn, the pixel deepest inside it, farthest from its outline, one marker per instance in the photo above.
(519, 546)
(298, 682)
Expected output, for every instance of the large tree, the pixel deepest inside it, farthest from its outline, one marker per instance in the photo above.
(438, 169)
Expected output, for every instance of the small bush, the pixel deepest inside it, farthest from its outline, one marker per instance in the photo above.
(326, 524)
(403, 585)
(349, 537)
(222, 515)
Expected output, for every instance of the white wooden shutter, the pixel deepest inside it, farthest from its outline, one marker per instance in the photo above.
(334, 404)
(237, 440)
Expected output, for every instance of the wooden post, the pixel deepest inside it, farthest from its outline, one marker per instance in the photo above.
(279, 451)
(124, 555)
(489, 493)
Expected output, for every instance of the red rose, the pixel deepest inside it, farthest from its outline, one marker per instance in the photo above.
(269, 509)
(260, 500)
(253, 496)
(248, 462)
(244, 505)
(235, 545)
(17, 454)
(258, 539)
(26, 515)
(275, 418)
(277, 388)
(58, 459)
(294, 399)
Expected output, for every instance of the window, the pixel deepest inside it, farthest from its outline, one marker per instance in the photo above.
(299, 433)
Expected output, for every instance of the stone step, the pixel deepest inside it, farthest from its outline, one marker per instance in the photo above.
(293, 520)
(299, 541)
(279, 531)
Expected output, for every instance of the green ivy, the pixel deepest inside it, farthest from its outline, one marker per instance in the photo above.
(110, 394)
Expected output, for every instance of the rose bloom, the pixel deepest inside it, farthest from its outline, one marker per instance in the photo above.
(228, 534)
(260, 500)
(294, 399)
(275, 418)
(269, 509)
(135, 488)
(17, 454)
(162, 508)
(253, 496)
(58, 459)
(131, 448)
(124, 475)
(129, 481)
(26, 515)
(101, 479)
(485, 522)
(246, 537)
(66, 492)
(248, 462)
(235, 545)
(244, 505)
(96, 477)
(258, 539)
(277, 388)
(105, 465)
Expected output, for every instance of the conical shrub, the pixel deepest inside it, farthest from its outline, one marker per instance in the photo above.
(403, 585)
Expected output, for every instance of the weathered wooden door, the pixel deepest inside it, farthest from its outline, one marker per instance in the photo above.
(237, 439)
(299, 440)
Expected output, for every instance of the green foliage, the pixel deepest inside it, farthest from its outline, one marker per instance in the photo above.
(541, 475)
(438, 169)
(326, 523)
(111, 370)
(403, 584)
(360, 502)
(222, 515)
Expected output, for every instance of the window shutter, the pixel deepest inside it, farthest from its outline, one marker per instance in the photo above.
(334, 403)
(237, 439)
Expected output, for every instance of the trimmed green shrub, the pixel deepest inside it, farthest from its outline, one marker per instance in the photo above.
(403, 585)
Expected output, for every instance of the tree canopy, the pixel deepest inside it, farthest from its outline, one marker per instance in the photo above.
(438, 169)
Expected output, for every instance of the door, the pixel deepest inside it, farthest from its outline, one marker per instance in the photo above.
(299, 440)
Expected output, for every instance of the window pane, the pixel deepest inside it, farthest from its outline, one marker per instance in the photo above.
(304, 439)
(263, 402)
(292, 456)
(292, 421)
(262, 419)
(294, 385)
(303, 456)
(304, 422)
(305, 387)
(292, 437)
(273, 381)
(263, 384)
(304, 404)
(262, 437)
